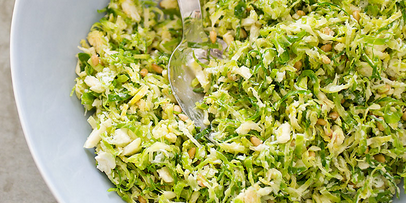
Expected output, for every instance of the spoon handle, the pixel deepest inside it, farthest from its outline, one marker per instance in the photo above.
(192, 20)
(189, 7)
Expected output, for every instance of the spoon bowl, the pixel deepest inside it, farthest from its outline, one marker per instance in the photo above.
(183, 67)
(181, 74)
(181, 77)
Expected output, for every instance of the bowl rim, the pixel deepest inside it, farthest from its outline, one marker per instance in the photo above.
(16, 90)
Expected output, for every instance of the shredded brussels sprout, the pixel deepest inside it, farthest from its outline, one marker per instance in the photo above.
(308, 104)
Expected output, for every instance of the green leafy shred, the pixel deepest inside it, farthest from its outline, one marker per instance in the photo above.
(307, 104)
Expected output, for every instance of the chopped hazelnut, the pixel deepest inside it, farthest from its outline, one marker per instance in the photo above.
(298, 65)
(326, 47)
(334, 115)
(213, 36)
(255, 141)
(300, 13)
(192, 152)
(321, 121)
(325, 59)
(380, 158)
(356, 15)
(144, 72)
(157, 69)
(183, 117)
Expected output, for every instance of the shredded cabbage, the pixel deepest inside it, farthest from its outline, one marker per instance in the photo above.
(307, 105)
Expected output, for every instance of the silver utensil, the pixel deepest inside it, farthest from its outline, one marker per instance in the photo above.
(180, 73)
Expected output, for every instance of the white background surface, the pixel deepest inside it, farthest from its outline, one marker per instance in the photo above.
(20, 180)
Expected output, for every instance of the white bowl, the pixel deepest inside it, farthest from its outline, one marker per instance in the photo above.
(44, 39)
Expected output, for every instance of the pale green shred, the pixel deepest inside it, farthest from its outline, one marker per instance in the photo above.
(308, 104)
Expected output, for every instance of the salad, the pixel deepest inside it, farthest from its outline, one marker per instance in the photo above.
(307, 104)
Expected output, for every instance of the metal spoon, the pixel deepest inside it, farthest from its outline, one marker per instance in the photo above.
(180, 74)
